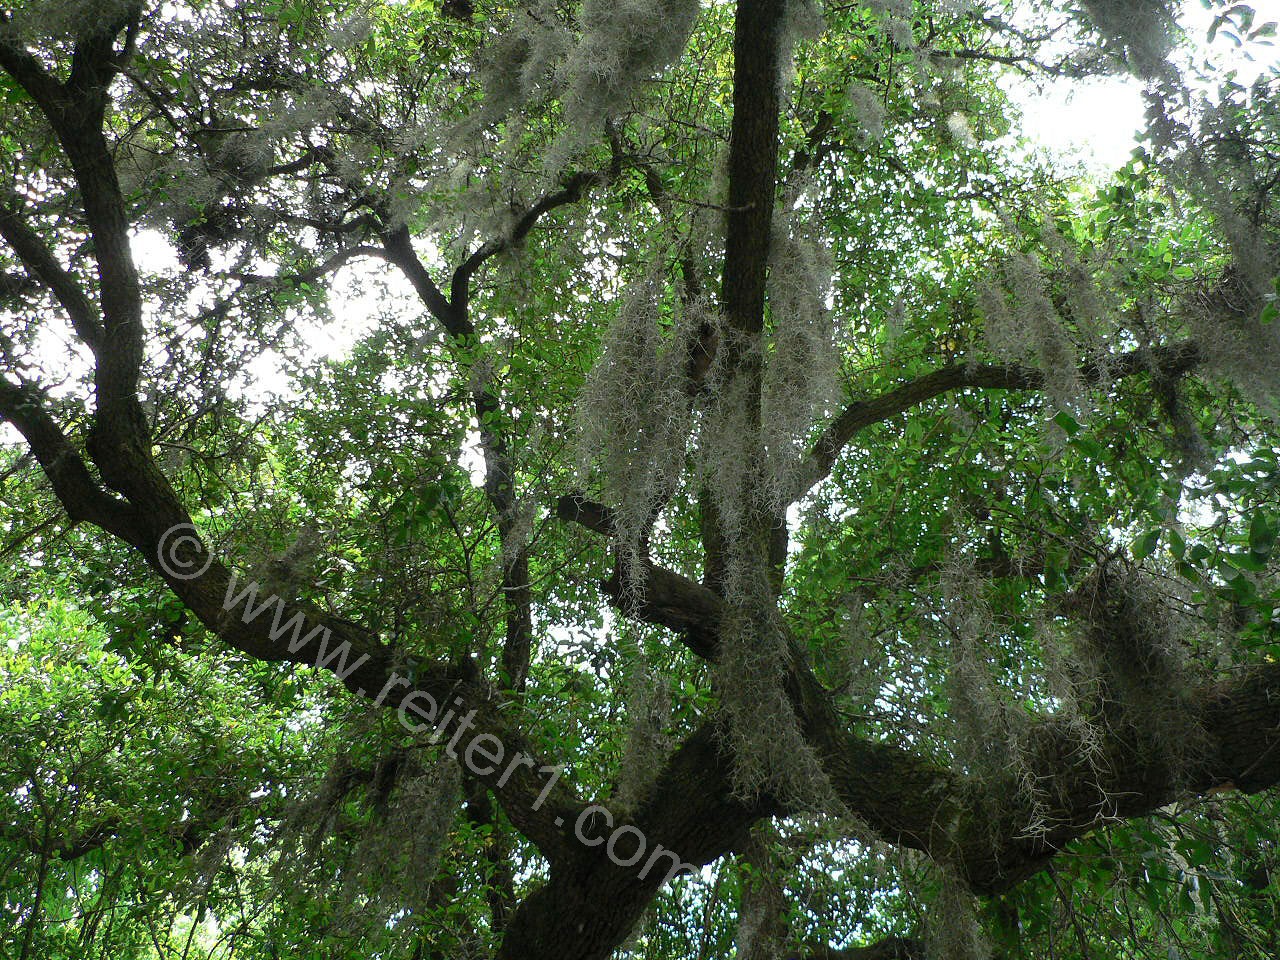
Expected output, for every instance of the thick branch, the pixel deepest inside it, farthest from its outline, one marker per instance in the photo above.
(119, 361)
(42, 264)
(988, 831)
(371, 670)
(399, 247)
(1172, 359)
(75, 487)
(753, 160)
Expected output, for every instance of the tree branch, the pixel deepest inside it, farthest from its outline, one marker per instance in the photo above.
(753, 160)
(76, 113)
(19, 63)
(988, 831)
(80, 495)
(42, 264)
(399, 246)
(572, 189)
(499, 472)
(373, 671)
(1173, 359)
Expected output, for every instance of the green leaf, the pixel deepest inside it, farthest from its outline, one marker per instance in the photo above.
(1068, 423)
(1262, 535)
(1145, 545)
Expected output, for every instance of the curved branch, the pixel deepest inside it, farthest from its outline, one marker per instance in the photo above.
(77, 490)
(44, 266)
(989, 831)
(1172, 359)
(499, 472)
(399, 246)
(573, 188)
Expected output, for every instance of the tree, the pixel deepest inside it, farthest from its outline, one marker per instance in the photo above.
(753, 465)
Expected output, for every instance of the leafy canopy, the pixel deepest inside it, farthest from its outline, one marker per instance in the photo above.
(722, 403)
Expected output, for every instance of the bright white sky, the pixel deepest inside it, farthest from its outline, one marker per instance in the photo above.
(1091, 123)
(1094, 123)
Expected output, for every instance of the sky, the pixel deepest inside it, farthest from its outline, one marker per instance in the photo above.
(1094, 123)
